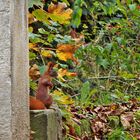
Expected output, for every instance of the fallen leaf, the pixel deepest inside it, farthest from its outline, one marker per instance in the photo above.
(31, 134)
(126, 119)
(98, 126)
(72, 130)
(138, 136)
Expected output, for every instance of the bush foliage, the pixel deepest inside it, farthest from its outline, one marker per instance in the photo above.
(95, 46)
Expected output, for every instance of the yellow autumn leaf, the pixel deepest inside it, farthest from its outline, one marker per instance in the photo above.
(46, 53)
(64, 72)
(65, 100)
(61, 73)
(31, 18)
(58, 12)
(30, 29)
(65, 52)
(41, 15)
(57, 92)
(61, 98)
(33, 47)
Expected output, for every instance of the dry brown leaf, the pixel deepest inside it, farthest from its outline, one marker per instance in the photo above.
(138, 136)
(34, 72)
(98, 126)
(126, 119)
(31, 18)
(31, 134)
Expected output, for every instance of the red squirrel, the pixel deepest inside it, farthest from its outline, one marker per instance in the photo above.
(43, 99)
(44, 86)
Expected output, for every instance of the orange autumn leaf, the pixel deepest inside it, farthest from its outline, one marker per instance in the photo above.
(64, 72)
(61, 73)
(71, 74)
(56, 8)
(66, 52)
(58, 12)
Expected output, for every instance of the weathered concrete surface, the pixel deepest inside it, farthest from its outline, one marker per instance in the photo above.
(5, 80)
(47, 124)
(14, 116)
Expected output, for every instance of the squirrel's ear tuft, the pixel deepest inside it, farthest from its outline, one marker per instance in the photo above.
(50, 71)
(53, 73)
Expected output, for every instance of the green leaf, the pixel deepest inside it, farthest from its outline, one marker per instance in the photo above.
(30, 29)
(126, 75)
(113, 121)
(36, 38)
(32, 56)
(31, 3)
(85, 90)
(43, 31)
(41, 15)
(129, 2)
(42, 69)
(59, 18)
(76, 19)
(33, 85)
(121, 8)
(137, 115)
(119, 134)
(65, 1)
(132, 7)
(102, 62)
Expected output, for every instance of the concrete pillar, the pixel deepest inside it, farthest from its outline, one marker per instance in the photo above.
(14, 108)
(46, 124)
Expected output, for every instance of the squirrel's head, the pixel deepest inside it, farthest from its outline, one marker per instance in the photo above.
(50, 69)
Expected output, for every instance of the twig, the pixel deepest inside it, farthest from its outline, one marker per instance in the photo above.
(113, 77)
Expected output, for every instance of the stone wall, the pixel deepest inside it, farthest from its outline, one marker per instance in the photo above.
(14, 112)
